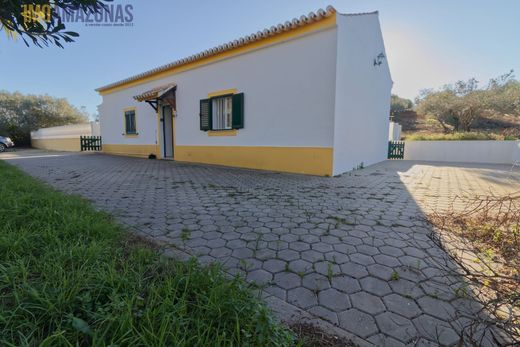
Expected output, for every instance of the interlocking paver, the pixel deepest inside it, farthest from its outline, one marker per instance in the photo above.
(361, 259)
(334, 300)
(300, 266)
(437, 308)
(315, 281)
(360, 323)
(367, 302)
(435, 330)
(386, 341)
(351, 250)
(324, 313)
(274, 265)
(402, 305)
(406, 288)
(302, 297)
(288, 255)
(375, 286)
(397, 326)
(380, 271)
(260, 277)
(346, 284)
(387, 260)
(287, 280)
(354, 270)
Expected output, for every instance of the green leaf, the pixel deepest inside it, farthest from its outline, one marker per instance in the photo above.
(82, 326)
(72, 33)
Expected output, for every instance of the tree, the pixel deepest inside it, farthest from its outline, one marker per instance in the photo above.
(457, 107)
(398, 105)
(39, 20)
(504, 95)
(20, 114)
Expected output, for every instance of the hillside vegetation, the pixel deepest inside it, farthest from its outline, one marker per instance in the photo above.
(462, 111)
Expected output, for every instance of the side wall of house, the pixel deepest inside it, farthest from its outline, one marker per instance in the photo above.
(288, 109)
(362, 94)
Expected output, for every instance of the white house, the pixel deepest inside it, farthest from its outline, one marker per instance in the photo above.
(311, 95)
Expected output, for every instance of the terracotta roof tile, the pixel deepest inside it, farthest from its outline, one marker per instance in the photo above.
(273, 30)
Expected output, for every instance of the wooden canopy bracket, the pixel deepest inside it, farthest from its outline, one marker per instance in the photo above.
(154, 103)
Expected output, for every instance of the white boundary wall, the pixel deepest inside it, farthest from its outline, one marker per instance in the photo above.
(394, 132)
(492, 152)
(67, 131)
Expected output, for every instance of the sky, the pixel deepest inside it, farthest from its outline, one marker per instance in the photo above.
(429, 43)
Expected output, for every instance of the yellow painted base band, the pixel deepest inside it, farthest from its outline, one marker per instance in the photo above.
(222, 132)
(305, 160)
(142, 151)
(67, 144)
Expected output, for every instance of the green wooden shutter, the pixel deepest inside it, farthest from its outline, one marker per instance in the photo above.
(130, 127)
(238, 111)
(127, 123)
(205, 114)
(132, 120)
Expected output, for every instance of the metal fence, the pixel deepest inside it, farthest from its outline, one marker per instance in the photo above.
(395, 149)
(91, 143)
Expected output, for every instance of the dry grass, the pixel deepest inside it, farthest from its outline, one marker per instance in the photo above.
(483, 236)
(461, 136)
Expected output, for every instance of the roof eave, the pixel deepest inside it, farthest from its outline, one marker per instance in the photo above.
(294, 24)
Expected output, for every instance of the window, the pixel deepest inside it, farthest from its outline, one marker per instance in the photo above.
(130, 126)
(221, 109)
(222, 112)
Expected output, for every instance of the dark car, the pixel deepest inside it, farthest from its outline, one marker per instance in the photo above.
(5, 143)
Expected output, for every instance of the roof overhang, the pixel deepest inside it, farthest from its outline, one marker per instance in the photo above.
(277, 33)
(152, 96)
(155, 93)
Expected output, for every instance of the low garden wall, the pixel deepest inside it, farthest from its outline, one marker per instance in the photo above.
(63, 138)
(492, 152)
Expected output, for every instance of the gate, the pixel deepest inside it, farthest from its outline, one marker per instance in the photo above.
(395, 149)
(91, 143)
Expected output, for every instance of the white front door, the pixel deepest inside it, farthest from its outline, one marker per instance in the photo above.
(167, 131)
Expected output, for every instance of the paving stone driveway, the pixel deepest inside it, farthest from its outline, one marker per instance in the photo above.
(352, 250)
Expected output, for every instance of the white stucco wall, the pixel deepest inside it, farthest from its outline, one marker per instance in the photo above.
(362, 102)
(492, 152)
(394, 131)
(64, 131)
(516, 152)
(111, 119)
(288, 90)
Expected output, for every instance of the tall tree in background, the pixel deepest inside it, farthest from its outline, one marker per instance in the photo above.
(398, 105)
(39, 21)
(504, 94)
(457, 107)
(20, 114)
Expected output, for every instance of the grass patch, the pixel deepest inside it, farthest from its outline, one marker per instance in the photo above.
(70, 277)
(456, 136)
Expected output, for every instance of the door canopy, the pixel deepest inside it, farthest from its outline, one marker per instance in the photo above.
(165, 94)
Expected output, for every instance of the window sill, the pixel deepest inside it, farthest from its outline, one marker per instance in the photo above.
(232, 132)
(130, 135)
